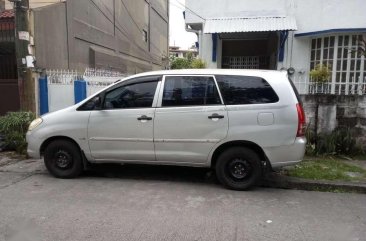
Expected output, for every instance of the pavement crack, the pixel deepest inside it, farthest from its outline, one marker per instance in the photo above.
(8, 162)
(17, 181)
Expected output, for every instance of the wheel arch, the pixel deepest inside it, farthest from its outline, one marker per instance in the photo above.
(239, 143)
(53, 138)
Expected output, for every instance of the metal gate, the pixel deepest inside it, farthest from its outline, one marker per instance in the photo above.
(9, 91)
(245, 62)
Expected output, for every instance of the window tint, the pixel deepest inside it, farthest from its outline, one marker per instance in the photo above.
(91, 104)
(238, 90)
(138, 95)
(190, 90)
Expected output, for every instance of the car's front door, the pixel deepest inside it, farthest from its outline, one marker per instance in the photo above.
(190, 119)
(123, 129)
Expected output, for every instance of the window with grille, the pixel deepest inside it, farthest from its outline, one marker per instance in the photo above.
(339, 53)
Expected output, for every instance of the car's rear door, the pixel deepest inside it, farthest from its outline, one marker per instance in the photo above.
(190, 119)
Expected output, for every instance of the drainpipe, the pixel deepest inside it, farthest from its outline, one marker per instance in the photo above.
(199, 34)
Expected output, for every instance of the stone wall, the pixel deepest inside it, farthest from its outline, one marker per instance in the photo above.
(336, 111)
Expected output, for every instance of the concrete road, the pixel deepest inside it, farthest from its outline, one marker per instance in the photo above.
(166, 203)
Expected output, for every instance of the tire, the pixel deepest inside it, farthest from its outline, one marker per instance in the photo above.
(239, 168)
(63, 159)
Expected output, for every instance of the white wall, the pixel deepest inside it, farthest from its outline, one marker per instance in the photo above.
(60, 96)
(297, 55)
(317, 15)
(233, 8)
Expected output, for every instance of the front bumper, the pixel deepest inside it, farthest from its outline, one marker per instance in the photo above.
(286, 155)
(34, 145)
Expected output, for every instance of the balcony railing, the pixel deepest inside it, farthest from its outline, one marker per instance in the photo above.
(355, 86)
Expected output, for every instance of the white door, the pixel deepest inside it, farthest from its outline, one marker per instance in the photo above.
(123, 129)
(190, 119)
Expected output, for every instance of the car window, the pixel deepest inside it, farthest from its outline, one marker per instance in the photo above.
(238, 90)
(91, 104)
(190, 91)
(140, 95)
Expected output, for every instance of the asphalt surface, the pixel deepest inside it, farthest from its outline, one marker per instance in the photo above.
(165, 203)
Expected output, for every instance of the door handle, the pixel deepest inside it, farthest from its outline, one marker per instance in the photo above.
(144, 117)
(216, 116)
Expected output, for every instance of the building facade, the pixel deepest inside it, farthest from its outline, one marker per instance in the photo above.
(280, 34)
(33, 3)
(129, 36)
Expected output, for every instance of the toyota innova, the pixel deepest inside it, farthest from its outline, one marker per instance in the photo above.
(237, 122)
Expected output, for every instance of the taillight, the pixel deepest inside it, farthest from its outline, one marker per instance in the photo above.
(301, 120)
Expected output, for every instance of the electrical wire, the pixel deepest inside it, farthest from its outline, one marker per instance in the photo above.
(190, 10)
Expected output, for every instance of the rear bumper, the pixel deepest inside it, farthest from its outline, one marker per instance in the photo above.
(286, 155)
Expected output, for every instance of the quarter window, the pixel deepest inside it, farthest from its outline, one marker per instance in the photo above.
(140, 95)
(190, 91)
(241, 90)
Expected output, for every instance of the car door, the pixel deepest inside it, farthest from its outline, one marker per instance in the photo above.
(123, 129)
(190, 119)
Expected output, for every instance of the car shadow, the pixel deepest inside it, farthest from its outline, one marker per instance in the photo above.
(153, 172)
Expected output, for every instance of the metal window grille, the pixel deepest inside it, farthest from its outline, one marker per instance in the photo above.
(244, 62)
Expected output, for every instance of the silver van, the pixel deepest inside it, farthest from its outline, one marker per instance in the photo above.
(234, 121)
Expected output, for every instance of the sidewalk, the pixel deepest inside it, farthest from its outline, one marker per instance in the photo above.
(283, 179)
(276, 180)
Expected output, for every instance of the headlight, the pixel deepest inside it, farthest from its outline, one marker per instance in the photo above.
(34, 124)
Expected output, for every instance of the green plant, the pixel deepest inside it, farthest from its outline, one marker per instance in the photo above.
(310, 148)
(198, 64)
(180, 63)
(326, 169)
(341, 141)
(321, 73)
(187, 63)
(14, 126)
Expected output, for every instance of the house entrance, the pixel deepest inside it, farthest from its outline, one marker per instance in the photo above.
(256, 50)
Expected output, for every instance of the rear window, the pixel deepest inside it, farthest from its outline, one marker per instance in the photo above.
(241, 90)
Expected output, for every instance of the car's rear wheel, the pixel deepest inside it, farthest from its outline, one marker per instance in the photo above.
(239, 168)
(63, 159)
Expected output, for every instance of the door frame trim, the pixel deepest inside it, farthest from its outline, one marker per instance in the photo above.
(121, 139)
(187, 140)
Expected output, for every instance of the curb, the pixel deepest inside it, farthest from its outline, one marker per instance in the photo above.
(275, 180)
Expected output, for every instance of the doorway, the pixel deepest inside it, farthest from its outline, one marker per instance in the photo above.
(249, 50)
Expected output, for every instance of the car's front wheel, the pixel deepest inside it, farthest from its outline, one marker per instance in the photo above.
(239, 168)
(63, 159)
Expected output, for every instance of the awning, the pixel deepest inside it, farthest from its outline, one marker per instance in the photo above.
(249, 24)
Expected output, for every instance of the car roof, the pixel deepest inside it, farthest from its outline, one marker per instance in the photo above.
(247, 72)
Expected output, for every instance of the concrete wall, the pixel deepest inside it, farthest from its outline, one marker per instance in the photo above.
(50, 37)
(102, 34)
(336, 111)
